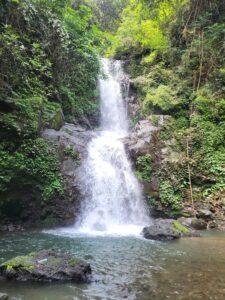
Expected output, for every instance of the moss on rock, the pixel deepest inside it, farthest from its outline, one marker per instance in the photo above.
(179, 227)
(74, 262)
(46, 265)
(26, 262)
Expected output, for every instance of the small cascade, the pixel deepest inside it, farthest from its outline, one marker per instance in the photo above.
(112, 197)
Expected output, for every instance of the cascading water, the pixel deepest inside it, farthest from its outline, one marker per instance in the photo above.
(113, 201)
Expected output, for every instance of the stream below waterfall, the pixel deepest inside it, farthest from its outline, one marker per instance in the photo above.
(127, 267)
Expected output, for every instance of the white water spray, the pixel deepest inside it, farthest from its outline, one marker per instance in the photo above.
(113, 201)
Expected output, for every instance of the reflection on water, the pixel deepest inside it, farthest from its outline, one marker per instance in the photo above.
(127, 268)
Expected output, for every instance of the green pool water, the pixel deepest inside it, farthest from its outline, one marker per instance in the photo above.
(126, 267)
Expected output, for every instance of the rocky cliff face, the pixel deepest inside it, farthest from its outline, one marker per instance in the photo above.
(24, 205)
(161, 164)
(71, 144)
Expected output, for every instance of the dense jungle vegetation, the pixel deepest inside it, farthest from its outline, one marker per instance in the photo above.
(176, 50)
(175, 55)
(49, 66)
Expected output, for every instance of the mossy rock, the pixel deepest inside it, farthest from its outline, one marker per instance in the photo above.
(24, 262)
(198, 224)
(46, 265)
(56, 120)
(167, 229)
(179, 227)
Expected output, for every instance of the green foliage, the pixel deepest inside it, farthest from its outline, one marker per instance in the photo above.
(163, 98)
(24, 262)
(49, 64)
(151, 201)
(73, 262)
(208, 151)
(49, 51)
(33, 163)
(24, 122)
(136, 32)
(69, 151)
(143, 165)
(154, 119)
(78, 87)
(175, 50)
(108, 13)
(134, 121)
(169, 197)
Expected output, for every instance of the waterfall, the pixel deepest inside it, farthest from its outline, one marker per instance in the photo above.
(112, 197)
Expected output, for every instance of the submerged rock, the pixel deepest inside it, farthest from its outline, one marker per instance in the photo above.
(3, 296)
(167, 229)
(46, 265)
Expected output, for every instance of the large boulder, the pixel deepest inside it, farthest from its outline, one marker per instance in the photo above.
(166, 229)
(70, 135)
(139, 141)
(46, 265)
(205, 214)
(185, 221)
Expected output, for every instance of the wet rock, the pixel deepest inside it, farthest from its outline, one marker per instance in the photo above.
(189, 212)
(69, 166)
(3, 296)
(198, 224)
(185, 221)
(71, 144)
(132, 108)
(139, 141)
(144, 140)
(12, 228)
(194, 223)
(70, 135)
(166, 229)
(205, 214)
(161, 234)
(46, 265)
(212, 224)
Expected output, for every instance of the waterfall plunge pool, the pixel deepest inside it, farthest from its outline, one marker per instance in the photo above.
(126, 267)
